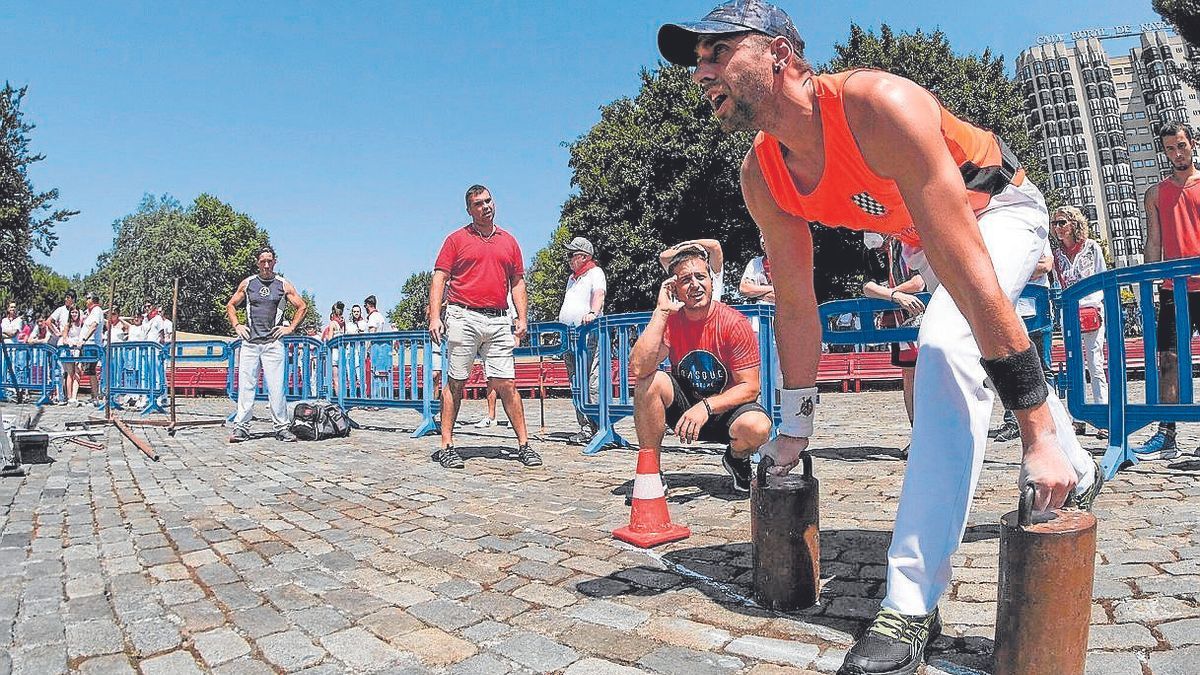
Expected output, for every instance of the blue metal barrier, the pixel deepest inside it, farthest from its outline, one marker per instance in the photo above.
(387, 370)
(135, 369)
(539, 346)
(866, 308)
(29, 367)
(1121, 417)
(615, 400)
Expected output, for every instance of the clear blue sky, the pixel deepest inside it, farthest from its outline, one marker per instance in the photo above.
(350, 130)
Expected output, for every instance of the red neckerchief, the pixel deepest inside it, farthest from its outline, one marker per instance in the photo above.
(584, 269)
(767, 267)
(1072, 251)
(340, 322)
(153, 313)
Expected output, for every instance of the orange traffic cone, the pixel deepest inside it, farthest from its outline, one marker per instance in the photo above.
(649, 522)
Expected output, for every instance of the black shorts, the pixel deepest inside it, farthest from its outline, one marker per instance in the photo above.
(88, 368)
(716, 429)
(1166, 317)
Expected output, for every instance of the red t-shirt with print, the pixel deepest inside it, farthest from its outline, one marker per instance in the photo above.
(705, 353)
(480, 267)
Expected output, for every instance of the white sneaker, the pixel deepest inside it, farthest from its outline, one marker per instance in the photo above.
(485, 423)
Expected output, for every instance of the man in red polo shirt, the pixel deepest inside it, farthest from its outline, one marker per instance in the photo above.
(478, 266)
(711, 392)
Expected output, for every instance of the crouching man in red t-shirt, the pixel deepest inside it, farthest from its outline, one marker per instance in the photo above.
(711, 393)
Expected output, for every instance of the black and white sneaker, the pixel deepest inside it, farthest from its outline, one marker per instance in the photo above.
(285, 436)
(1009, 431)
(449, 458)
(893, 645)
(528, 456)
(1086, 499)
(239, 435)
(738, 468)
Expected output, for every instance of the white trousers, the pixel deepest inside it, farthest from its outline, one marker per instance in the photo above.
(1093, 352)
(269, 356)
(952, 409)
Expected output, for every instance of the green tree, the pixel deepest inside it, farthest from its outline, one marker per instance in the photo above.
(653, 171)
(209, 245)
(154, 245)
(545, 278)
(46, 291)
(27, 217)
(313, 319)
(410, 313)
(1184, 15)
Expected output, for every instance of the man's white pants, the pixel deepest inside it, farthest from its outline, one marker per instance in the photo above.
(269, 356)
(1093, 351)
(952, 409)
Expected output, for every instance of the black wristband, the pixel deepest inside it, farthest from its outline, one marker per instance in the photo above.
(1017, 379)
(707, 406)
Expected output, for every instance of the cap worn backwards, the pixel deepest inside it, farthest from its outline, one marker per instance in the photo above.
(677, 41)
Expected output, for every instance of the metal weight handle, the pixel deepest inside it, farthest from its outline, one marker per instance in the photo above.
(766, 463)
(1025, 505)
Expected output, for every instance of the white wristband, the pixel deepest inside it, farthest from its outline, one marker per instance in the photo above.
(798, 407)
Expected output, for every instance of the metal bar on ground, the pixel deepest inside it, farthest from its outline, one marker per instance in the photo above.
(133, 438)
(174, 332)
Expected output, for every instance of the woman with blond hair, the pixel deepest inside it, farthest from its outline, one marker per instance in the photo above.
(1078, 257)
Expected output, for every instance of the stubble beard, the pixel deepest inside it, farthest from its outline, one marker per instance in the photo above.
(745, 115)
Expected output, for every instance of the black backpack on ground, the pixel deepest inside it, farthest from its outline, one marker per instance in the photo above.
(318, 420)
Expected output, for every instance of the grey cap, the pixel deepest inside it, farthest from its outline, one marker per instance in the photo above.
(677, 41)
(581, 244)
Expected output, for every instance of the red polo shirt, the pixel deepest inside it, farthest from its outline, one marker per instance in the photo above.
(480, 267)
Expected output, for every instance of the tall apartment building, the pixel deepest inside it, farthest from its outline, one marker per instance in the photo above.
(1095, 119)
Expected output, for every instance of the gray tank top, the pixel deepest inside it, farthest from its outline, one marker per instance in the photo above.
(264, 306)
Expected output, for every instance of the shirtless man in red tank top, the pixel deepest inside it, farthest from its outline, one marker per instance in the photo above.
(871, 151)
(1172, 231)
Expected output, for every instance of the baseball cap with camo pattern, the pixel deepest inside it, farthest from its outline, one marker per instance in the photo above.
(677, 41)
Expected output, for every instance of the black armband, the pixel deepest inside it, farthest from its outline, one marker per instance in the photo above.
(1017, 379)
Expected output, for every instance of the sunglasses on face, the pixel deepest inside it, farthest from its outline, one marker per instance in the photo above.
(1056, 223)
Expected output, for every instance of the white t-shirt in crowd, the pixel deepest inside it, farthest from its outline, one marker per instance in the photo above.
(12, 326)
(577, 301)
(59, 319)
(119, 334)
(756, 273)
(1025, 306)
(376, 322)
(355, 327)
(94, 321)
(137, 333)
(165, 328)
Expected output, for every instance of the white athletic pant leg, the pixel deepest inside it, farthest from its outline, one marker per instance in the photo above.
(952, 409)
(1093, 351)
(249, 358)
(273, 355)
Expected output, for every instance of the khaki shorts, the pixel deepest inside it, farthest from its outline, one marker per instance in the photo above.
(470, 334)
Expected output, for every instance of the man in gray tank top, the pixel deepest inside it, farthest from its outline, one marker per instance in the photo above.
(265, 295)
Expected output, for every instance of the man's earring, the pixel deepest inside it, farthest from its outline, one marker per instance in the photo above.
(777, 67)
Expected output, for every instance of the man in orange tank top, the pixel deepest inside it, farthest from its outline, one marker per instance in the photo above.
(871, 151)
(1172, 231)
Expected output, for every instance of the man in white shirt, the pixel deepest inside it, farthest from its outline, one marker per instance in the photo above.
(165, 327)
(11, 324)
(583, 301)
(375, 321)
(92, 333)
(61, 317)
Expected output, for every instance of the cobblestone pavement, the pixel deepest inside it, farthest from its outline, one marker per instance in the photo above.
(362, 555)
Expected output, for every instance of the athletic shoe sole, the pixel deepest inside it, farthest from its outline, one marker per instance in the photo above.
(738, 485)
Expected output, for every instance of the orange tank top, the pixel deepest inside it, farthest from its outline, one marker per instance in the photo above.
(849, 194)
(1179, 221)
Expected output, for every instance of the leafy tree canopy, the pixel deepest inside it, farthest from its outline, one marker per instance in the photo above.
(27, 217)
(208, 245)
(410, 312)
(1184, 15)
